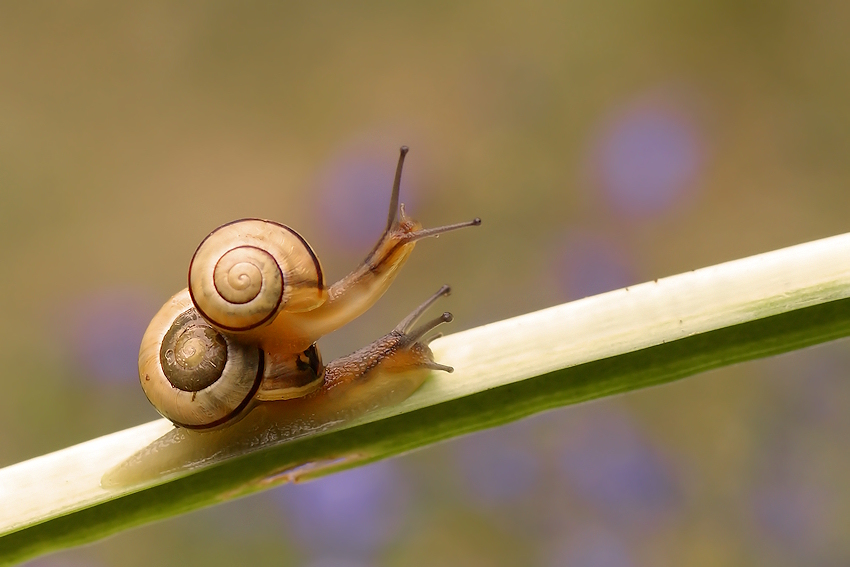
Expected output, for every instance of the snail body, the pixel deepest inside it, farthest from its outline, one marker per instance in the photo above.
(244, 331)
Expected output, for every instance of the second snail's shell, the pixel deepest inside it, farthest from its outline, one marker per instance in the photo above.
(211, 379)
(245, 272)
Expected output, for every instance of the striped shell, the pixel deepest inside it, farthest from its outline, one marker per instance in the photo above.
(245, 272)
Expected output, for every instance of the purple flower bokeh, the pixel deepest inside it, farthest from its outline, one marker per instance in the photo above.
(104, 331)
(791, 513)
(349, 514)
(617, 471)
(647, 157)
(496, 470)
(590, 547)
(338, 561)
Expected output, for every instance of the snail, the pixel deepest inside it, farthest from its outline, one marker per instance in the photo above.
(244, 331)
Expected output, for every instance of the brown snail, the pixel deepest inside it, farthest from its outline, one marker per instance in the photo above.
(245, 329)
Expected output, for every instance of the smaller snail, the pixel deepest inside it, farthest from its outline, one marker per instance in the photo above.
(244, 331)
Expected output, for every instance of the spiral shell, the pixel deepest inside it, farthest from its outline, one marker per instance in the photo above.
(245, 272)
(191, 373)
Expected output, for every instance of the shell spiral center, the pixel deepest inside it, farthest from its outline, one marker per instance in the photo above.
(193, 354)
(240, 273)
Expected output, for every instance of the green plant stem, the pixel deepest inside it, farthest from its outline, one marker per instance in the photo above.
(615, 342)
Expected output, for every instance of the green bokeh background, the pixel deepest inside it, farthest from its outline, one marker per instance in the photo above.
(128, 132)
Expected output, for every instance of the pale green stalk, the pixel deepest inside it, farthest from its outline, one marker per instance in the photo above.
(618, 341)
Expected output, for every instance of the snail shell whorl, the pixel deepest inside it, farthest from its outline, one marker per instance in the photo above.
(193, 375)
(247, 271)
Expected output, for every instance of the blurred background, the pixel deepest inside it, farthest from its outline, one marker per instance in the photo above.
(604, 143)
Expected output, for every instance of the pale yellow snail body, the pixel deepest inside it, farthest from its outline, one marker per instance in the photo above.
(243, 334)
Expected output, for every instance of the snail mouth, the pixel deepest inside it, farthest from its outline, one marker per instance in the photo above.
(238, 410)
